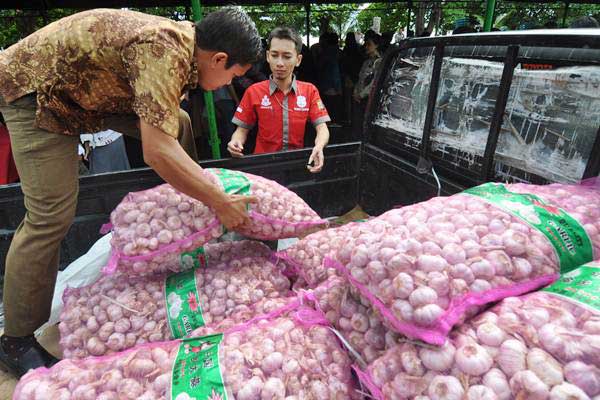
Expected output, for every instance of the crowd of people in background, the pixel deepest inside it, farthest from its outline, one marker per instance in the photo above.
(343, 74)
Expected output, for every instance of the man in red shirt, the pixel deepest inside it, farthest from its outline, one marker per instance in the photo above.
(281, 105)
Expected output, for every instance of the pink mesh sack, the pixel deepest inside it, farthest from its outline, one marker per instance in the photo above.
(120, 311)
(284, 355)
(543, 345)
(306, 256)
(445, 257)
(358, 324)
(154, 227)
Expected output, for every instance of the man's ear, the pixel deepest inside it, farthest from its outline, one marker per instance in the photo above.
(219, 58)
(299, 60)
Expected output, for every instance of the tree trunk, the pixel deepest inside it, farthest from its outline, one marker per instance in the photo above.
(436, 13)
(420, 18)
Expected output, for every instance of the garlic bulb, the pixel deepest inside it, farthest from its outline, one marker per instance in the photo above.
(480, 392)
(438, 359)
(525, 384)
(545, 367)
(445, 388)
(512, 357)
(566, 391)
(473, 359)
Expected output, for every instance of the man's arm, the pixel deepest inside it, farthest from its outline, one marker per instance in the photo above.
(238, 139)
(165, 156)
(317, 153)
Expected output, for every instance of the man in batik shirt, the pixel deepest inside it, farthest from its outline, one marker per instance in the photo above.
(92, 71)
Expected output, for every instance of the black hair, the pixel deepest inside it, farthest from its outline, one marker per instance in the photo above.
(283, 32)
(375, 39)
(463, 29)
(231, 31)
(585, 22)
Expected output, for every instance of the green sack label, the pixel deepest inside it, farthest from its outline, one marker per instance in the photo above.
(570, 241)
(193, 259)
(581, 284)
(184, 311)
(196, 372)
(233, 182)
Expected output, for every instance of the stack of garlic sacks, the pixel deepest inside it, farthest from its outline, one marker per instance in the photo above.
(405, 292)
(412, 281)
(180, 316)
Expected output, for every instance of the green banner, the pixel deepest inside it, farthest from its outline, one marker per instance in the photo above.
(196, 372)
(234, 182)
(193, 259)
(184, 311)
(581, 284)
(570, 241)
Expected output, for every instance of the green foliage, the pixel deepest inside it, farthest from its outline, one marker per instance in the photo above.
(340, 18)
(393, 17)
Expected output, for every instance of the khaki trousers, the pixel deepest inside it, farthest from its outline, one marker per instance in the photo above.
(48, 167)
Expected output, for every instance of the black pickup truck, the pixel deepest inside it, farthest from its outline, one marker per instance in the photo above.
(446, 113)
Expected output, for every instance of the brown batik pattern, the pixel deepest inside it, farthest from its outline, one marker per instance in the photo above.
(99, 62)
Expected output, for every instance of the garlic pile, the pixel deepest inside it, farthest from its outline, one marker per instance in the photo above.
(120, 311)
(536, 346)
(307, 255)
(445, 257)
(153, 227)
(289, 358)
(357, 323)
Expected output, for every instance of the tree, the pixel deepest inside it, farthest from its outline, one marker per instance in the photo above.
(393, 17)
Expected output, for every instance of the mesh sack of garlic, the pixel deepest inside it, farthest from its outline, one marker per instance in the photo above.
(290, 354)
(306, 256)
(445, 258)
(357, 323)
(542, 345)
(154, 227)
(237, 281)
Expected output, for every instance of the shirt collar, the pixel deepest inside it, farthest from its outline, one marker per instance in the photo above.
(273, 86)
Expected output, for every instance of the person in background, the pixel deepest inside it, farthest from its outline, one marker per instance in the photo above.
(104, 151)
(226, 101)
(351, 63)
(585, 22)
(8, 170)
(88, 72)
(307, 71)
(463, 29)
(330, 78)
(386, 41)
(366, 78)
(282, 105)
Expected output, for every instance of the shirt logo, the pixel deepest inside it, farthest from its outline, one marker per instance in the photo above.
(301, 101)
(265, 101)
(320, 105)
(239, 109)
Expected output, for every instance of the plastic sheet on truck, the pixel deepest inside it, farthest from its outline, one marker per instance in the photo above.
(550, 124)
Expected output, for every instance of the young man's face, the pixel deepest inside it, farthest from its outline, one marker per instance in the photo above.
(282, 58)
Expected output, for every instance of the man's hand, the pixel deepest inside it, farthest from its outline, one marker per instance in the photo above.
(236, 144)
(317, 159)
(235, 147)
(233, 213)
(86, 154)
